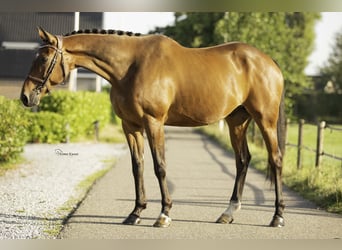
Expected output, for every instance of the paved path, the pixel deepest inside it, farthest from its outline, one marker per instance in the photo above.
(200, 176)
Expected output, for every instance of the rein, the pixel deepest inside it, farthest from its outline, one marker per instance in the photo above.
(42, 81)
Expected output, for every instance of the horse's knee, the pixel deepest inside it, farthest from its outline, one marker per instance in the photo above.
(160, 171)
(245, 160)
(276, 160)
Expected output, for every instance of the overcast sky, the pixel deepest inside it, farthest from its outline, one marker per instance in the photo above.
(326, 30)
(142, 22)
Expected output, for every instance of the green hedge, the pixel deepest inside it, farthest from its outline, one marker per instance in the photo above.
(13, 133)
(47, 127)
(78, 109)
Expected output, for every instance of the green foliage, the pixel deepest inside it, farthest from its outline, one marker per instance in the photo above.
(79, 109)
(319, 106)
(286, 37)
(13, 126)
(332, 69)
(47, 127)
(193, 29)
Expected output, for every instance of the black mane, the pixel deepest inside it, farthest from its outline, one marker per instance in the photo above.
(109, 32)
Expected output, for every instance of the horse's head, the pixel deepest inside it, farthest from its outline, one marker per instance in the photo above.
(48, 69)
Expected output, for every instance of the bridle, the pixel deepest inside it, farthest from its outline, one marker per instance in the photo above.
(42, 81)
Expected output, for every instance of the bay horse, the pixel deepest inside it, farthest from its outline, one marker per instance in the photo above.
(156, 82)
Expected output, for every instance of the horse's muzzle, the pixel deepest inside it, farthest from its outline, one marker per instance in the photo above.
(31, 100)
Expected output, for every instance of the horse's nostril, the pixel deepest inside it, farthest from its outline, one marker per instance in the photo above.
(24, 99)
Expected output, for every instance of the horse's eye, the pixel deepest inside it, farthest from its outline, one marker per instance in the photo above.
(43, 59)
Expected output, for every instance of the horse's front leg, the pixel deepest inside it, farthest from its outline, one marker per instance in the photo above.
(135, 139)
(155, 134)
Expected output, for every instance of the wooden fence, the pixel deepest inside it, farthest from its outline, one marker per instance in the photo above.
(319, 150)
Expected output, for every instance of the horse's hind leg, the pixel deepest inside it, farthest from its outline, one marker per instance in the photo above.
(268, 127)
(238, 122)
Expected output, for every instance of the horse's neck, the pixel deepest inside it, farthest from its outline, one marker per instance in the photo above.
(108, 56)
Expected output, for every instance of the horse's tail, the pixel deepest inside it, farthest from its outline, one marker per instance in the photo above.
(281, 125)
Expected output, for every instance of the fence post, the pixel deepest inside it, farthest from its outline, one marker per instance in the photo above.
(67, 129)
(300, 143)
(96, 128)
(287, 123)
(320, 139)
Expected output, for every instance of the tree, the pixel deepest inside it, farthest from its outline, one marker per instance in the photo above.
(193, 29)
(332, 70)
(287, 37)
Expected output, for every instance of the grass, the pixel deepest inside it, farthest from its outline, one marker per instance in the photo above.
(321, 185)
(332, 144)
(111, 133)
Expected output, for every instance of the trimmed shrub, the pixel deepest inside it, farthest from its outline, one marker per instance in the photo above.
(47, 127)
(79, 109)
(13, 124)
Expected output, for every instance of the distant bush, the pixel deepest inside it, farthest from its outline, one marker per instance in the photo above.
(13, 133)
(319, 106)
(78, 109)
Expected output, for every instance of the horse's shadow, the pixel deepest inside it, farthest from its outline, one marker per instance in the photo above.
(112, 220)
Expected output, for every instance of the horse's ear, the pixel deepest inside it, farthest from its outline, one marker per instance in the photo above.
(46, 36)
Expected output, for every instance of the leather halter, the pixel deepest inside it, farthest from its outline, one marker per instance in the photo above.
(42, 81)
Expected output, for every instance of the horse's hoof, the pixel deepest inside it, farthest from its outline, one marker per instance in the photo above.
(225, 219)
(277, 221)
(132, 219)
(163, 221)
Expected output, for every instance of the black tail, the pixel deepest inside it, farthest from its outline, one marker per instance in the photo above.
(281, 125)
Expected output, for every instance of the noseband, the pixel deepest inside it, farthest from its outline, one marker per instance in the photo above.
(42, 81)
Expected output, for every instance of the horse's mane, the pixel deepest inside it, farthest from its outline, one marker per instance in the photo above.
(102, 31)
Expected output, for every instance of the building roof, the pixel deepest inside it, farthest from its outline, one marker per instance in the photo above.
(20, 29)
(23, 26)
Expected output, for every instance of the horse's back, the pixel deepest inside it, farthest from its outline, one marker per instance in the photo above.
(198, 86)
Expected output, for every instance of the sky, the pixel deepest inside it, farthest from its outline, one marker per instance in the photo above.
(325, 29)
(138, 22)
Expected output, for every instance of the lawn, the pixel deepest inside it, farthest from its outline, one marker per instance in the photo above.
(322, 185)
(332, 143)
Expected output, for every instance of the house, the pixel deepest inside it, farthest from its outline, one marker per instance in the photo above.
(19, 40)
